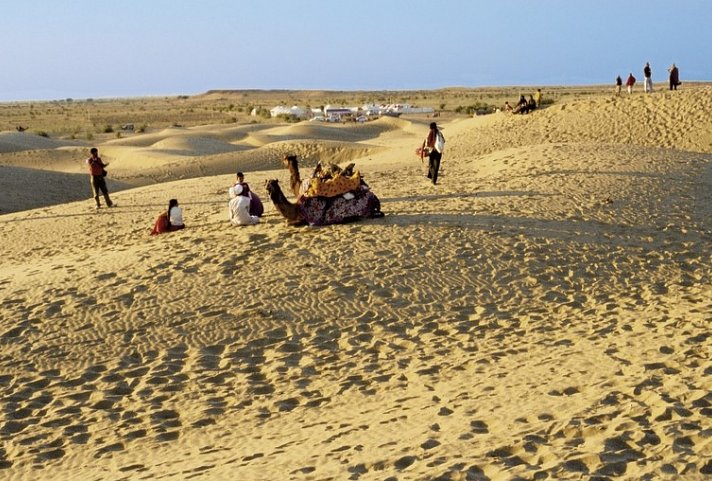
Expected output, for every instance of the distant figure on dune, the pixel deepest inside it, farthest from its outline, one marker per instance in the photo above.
(97, 172)
(619, 84)
(239, 207)
(256, 207)
(674, 77)
(507, 107)
(648, 81)
(169, 221)
(538, 97)
(630, 82)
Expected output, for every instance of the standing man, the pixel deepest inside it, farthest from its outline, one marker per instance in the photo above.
(619, 84)
(648, 82)
(433, 145)
(97, 174)
(674, 77)
(537, 97)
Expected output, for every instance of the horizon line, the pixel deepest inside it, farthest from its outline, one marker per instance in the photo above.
(326, 90)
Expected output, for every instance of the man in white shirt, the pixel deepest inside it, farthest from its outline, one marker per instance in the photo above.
(433, 146)
(239, 207)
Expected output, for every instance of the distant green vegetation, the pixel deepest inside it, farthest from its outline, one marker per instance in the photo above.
(478, 108)
(76, 118)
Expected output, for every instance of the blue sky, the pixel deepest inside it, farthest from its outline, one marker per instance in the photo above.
(80, 48)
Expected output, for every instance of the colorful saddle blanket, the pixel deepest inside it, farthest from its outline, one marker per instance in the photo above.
(335, 210)
(333, 187)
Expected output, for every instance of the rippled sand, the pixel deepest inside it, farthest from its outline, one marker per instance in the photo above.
(543, 313)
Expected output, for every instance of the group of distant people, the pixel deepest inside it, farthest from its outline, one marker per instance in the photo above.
(244, 206)
(524, 105)
(673, 79)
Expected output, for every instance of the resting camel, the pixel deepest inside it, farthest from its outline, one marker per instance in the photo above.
(357, 204)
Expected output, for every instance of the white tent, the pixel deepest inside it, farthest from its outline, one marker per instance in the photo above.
(294, 111)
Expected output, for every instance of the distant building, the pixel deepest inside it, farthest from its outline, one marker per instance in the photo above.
(316, 114)
(395, 109)
(339, 113)
(294, 111)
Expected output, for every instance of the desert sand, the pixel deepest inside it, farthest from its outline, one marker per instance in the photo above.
(542, 313)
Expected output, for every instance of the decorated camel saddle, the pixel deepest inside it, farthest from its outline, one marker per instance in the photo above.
(332, 195)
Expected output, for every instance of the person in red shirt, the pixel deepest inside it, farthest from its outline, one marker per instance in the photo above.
(97, 172)
(629, 83)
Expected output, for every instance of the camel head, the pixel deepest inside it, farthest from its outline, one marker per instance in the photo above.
(273, 189)
(290, 160)
(272, 185)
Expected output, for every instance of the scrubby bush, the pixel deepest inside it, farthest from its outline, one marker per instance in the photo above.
(108, 129)
(288, 118)
(479, 108)
(264, 113)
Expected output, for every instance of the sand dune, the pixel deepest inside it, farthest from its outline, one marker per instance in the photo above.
(180, 153)
(542, 313)
(19, 141)
(226, 134)
(661, 120)
(24, 188)
(336, 132)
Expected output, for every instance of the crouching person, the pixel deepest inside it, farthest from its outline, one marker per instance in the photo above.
(239, 207)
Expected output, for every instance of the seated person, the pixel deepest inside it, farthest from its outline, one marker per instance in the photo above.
(175, 215)
(507, 107)
(522, 106)
(239, 207)
(256, 207)
(169, 221)
(531, 103)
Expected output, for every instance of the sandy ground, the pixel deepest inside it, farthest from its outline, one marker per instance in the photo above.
(542, 313)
